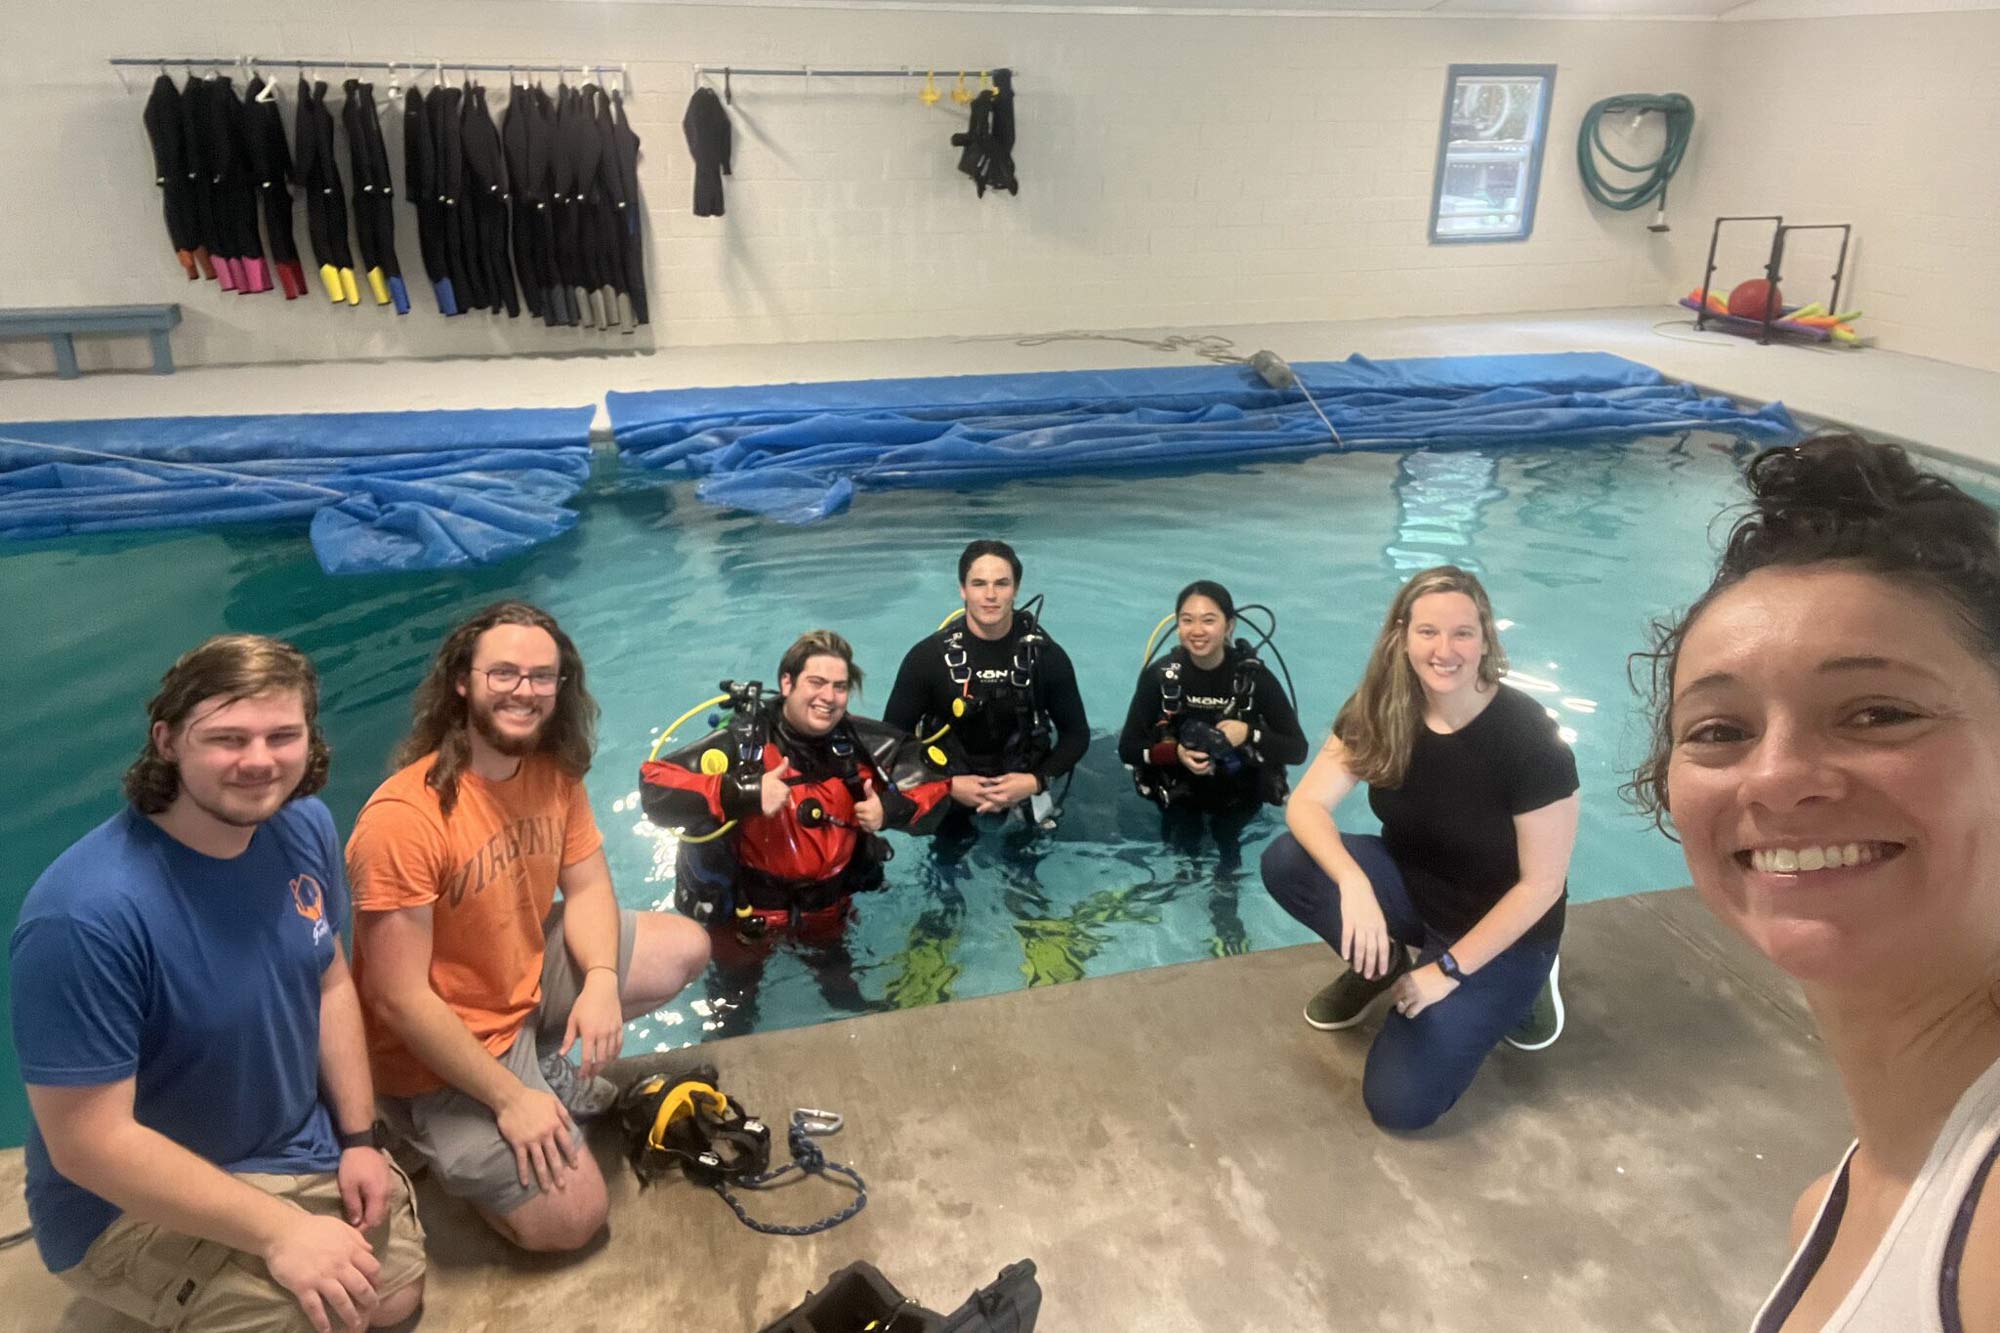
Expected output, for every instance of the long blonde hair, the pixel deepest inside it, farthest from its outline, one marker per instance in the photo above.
(1377, 726)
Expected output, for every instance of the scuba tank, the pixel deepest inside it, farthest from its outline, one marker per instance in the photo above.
(705, 870)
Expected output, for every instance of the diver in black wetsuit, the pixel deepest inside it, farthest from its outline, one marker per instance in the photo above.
(995, 702)
(1208, 738)
(995, 694)
(1210, 729)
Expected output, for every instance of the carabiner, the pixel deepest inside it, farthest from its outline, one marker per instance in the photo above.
(817, 1122)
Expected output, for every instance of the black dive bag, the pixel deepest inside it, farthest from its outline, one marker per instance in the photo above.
(858, 1297)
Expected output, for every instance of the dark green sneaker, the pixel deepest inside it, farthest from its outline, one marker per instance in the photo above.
(1347, 1001)
(1544, 1022)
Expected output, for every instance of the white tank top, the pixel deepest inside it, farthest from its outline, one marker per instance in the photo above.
(1911, 1283)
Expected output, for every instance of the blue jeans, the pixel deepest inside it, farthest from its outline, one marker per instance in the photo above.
(1418, 1067)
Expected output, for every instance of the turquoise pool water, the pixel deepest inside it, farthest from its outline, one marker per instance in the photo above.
(1579, 546)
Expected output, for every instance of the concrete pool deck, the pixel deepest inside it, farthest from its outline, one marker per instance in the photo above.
(1178, 1152)
(1933, 403)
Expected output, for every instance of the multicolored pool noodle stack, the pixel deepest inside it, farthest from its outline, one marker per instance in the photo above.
(1812, 321)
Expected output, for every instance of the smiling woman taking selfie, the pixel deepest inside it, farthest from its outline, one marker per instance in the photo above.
(1827, 747)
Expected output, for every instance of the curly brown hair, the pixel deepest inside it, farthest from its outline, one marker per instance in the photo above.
(1834, 499)
(441, 713)
(227, 667)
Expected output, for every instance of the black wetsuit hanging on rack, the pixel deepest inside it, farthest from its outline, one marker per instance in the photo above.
(167, 134)
(232, 187)
(632, 211)
(593, 204)
(271, 165)
(583, 149)
(546, 150)
(197, 121)
(374, 195)
(442, 111)
(201, 205)
(527, 202)
(487, 202)
(568, 197)
(326, 206)
(706, 126)
(420, 184)
(611, 220)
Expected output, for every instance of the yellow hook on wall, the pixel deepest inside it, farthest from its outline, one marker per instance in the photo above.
(930, 96)
(986, 84)
(961, 94)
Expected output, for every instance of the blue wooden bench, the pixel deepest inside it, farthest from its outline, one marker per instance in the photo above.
(60, 325)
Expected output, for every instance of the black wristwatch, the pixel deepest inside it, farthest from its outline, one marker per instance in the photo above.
(360, 1138)
(1449, 966)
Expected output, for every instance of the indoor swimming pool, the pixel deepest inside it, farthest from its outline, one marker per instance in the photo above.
(665, 596)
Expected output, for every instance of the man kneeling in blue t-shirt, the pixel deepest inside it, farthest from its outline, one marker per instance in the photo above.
(202, 1155)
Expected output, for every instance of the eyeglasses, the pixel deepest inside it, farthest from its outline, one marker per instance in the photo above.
(507, 679)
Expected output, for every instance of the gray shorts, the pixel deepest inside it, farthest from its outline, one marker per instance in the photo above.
(458, 1136)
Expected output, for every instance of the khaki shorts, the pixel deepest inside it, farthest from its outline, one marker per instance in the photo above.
(457, 1136)
(172, 1281)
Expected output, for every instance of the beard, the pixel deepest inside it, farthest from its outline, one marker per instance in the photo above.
(484, 722)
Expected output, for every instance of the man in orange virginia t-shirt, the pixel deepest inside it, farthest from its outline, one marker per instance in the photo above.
(475, 982)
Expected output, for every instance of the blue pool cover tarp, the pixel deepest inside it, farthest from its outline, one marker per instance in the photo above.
(382, 490)
(796, 452)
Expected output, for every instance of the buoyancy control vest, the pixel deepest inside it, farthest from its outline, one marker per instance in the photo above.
(1186, 722)
(808, 856)
(1004, 701)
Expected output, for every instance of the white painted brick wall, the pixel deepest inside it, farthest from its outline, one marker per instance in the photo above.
(1891, 123)
(1181, 171)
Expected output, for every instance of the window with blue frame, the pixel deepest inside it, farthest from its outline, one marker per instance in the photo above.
(1489, 162)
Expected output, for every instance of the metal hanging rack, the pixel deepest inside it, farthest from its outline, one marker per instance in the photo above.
(559, 68)
(807, 72)
(729, 72)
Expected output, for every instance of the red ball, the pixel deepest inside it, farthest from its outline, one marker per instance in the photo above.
(1756, 299)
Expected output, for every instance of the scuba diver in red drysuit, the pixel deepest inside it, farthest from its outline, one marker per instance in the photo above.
(781, 811)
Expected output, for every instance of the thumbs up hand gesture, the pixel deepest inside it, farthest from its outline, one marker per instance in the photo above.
(868, 810)
(777, 787)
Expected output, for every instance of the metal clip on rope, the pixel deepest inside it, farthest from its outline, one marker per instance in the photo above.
(807, 1160)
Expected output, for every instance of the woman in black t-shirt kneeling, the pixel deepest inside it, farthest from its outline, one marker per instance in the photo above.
(1477, 798)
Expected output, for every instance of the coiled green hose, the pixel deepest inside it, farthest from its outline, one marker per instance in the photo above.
(1653, 176)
